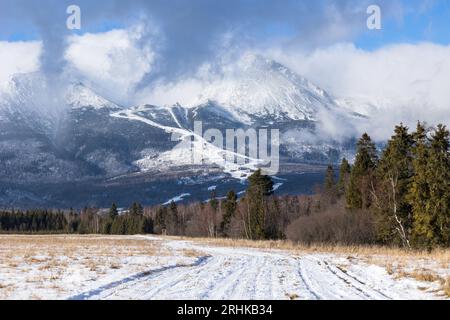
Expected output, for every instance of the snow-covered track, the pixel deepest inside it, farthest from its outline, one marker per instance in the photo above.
(225, 273)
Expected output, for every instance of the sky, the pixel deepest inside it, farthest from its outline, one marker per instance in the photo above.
(131, 51)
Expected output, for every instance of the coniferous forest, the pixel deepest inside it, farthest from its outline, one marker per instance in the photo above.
(398, 195)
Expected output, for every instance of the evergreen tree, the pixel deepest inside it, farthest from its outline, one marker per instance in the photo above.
(172, 221)
(330, 188)
(419, 191)
(361, 176)
(394, 174)
(136, 209)
(161, 219)
(113, 212)
(260, 186)
(344, 176)
(229, 205)
(438, 172)
(213, 202)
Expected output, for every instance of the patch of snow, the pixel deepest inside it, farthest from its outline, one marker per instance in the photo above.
(276, 186)
(176, 199)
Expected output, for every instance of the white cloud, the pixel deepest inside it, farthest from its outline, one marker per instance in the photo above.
(18, 57)
(406, 82)
(113, 62)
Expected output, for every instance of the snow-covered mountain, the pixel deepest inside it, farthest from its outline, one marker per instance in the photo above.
(67, 133)
(256, 87)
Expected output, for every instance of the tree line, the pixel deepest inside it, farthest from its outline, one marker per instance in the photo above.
(87, 221)
(406, 187)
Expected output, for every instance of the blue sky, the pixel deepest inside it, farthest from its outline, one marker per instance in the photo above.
(404, 21)
(422, 21)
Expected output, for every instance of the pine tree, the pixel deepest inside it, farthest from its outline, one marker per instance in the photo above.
(113, 212)
(136, 209)
(394, 173)
(419, 191)
(438, 172)
(260, 186)
(172, 221)
(361, 176)
(213, 201)
(229, 205)
(330, 189)
(161, 219)
(344, 176)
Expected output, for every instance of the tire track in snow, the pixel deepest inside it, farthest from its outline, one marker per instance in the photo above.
(132, 279)
(307, 281)
(243, 273)
(369, 292)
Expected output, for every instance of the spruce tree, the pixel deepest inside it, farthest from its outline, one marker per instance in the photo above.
(113, 212)
(136, 208)
(214, 203)
(161, 219)
(419, 190)
(260, 186)
(438, 172)
(330, 189)
(344, 176)
(394, 173)
(173, 223)
(229, 205)
(361, 176)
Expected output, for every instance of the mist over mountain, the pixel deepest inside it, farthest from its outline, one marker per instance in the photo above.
(67, 133)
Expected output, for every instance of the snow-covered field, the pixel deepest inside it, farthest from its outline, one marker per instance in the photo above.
(148, 267)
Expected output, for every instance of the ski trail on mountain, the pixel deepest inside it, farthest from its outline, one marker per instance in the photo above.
(242, 273)
(198, 146)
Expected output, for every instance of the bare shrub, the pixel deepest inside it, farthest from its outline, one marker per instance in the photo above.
(334, 225)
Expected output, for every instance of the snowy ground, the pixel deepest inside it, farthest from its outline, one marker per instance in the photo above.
(147, 267)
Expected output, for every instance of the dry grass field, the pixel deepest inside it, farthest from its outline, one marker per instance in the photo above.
(34, 267)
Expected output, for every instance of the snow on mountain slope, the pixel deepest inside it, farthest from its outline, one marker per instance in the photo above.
(28, 101)
(192, 148)
(259, 87)
(79, 96)
(31, 99)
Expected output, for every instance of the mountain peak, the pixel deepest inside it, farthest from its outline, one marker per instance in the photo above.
(261, 87)
(80, 96)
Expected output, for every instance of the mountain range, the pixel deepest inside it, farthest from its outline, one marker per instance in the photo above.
(74, 147)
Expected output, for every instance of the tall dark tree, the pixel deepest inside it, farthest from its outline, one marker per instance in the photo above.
(172, 219)
(161, 219)
(229, 206)
(330, 188)
(438, 172)
(362, 174)
(260, 186)
(394, 174)
(213, 202)
(136, 208)
(419, 189)
(344, 177)
(113, 212)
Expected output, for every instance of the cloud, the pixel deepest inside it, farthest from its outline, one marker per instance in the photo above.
(190, 29)
(18, 57)
(403, 82)
(112, 62)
